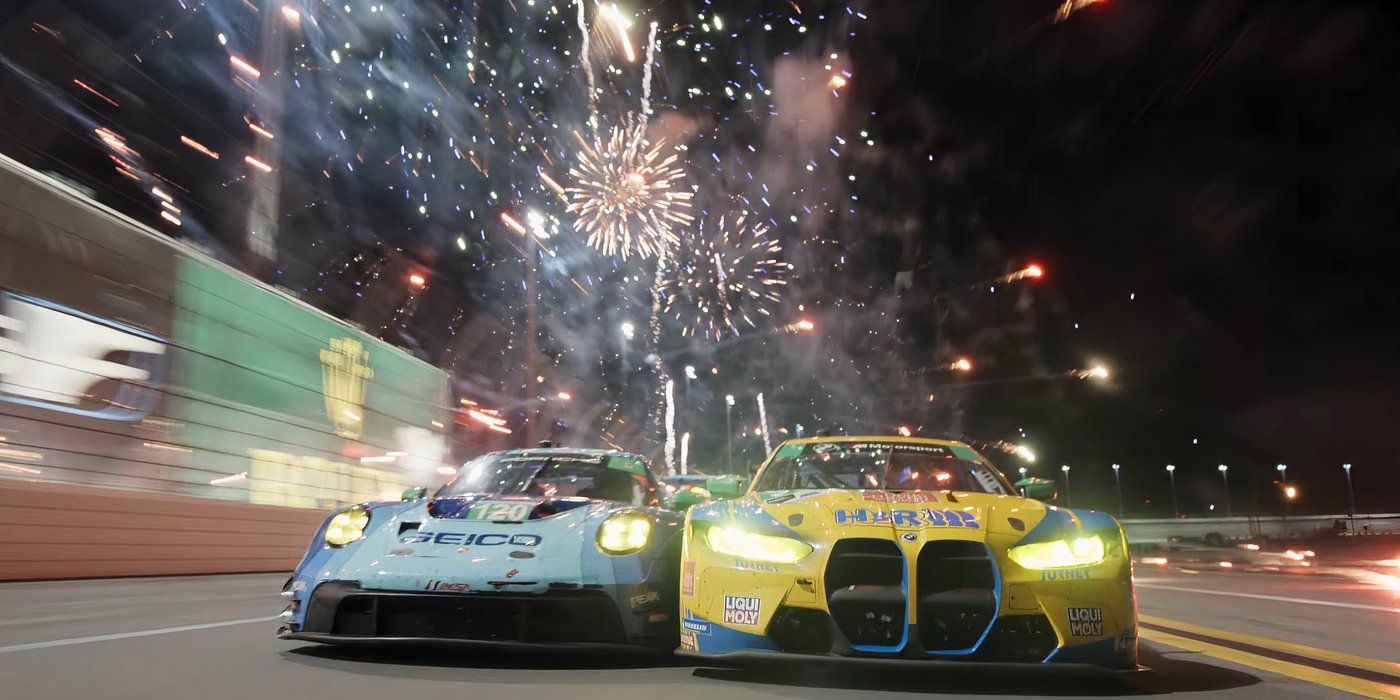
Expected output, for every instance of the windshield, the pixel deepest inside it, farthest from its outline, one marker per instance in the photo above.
(621, 478)
(878, 465)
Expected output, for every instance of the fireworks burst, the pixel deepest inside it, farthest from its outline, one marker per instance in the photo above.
(628, 194)
(725, 279)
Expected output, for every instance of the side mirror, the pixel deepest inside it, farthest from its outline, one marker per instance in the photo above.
(729, 486)
(683, 499)
(413, 493)
(1040, 489)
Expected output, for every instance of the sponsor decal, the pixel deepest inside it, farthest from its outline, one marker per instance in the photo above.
(687, 640)
(688, 579)
(1064, 574)
(741, 610)
(777, 498)
(501, 511)
(638, 601)
(405, 552)
(456, 586)
(899, 447)
(62, 359)
(909, 536)
(695, 625)
(1085, 622)
(924, 517)
(512, 573)
(754, 566)
(471, 538)
(899, 497)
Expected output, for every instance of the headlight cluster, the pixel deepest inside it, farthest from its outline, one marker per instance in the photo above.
(347, 526)
(624, 533)
(737, 542)
(1059, 553)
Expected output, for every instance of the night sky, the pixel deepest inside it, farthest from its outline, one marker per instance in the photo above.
(1210, 186)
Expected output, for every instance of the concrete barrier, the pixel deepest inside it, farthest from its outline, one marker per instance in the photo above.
(51, 531)
(1144, 531)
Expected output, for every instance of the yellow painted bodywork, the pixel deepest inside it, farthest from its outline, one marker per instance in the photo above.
(811, 515)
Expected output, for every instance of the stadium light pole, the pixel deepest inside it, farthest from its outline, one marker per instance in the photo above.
(1118, 484)
(1283, 481)
(1065, 469)
(1351, 499)
(1225, 477)
(1171, 476)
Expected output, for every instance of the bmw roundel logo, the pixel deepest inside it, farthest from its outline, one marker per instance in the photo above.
(909, 536)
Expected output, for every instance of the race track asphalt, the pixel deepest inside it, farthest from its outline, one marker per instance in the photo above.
(1205, 635)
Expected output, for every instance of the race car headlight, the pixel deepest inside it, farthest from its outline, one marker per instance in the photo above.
(347, 526)
(1082, 551)
(624, 533)
(737, 542)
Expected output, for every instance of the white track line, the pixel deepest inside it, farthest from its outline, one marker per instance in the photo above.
(128, 635)
(1260, 596)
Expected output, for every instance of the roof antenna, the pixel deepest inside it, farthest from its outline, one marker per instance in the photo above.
(546, 443)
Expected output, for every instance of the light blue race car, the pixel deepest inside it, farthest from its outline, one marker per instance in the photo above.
(549, 546)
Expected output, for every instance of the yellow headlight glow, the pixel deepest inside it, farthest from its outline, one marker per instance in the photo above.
(1059, 553)
(347, 526)
(737, 542)
(624, 533)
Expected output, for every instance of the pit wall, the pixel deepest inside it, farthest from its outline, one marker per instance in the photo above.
(56, 531)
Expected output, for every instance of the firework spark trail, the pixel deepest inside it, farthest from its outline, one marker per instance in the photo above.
(763, 424)
(724, 277)
(646, 73)
(587, 62)
(627, 196)
(670, 426)
(685, 453)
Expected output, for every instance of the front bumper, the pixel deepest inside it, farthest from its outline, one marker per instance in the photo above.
(941, 602)
(745, 658)
(342, 612)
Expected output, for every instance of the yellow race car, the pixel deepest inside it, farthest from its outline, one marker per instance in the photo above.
(902, 548)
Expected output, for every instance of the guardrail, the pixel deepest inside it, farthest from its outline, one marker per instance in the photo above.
(1247, 527)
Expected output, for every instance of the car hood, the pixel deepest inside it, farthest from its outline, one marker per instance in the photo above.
(826, 514)
(411, 548)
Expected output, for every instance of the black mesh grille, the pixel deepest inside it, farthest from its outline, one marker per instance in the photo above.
(575, 616)
(801, 630)
(864, 591)
(1024, 638)
(956, 595)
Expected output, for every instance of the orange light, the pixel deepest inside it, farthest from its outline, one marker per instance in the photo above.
(198, 147)
(837, 82)
(257, 164)
(417, 280)
(905, 431)
(1227, 565)
(1035, 271)
(564, 396)
(244, 66)
(806, 325)
(1290, 492)
(512, 223)
(962, 364)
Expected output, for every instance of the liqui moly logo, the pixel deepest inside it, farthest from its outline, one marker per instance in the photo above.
(741, 610)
